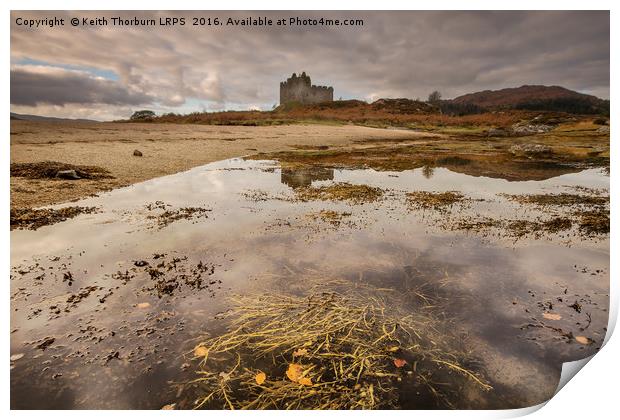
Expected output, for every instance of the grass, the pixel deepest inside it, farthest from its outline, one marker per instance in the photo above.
(357, 112)
(328, 350)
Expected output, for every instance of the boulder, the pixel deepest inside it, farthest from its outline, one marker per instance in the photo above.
(137, 153)
(527, 129)
(68, 174)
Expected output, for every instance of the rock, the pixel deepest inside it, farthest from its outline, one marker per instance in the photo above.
(68, 174)
(45, 342)
(603, 129)
(16, 356)
(527, 128)
(530, 149)
(137, 153)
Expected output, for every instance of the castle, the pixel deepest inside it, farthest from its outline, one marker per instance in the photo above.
(300, 89)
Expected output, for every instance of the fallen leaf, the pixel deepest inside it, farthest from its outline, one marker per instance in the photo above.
(260, 378)
(294, 372)
(225, 376)
(305, 381)
(393, 349)
(143, 305)
(16, 356)
(300, 352)
(169, 406)
(553, 317)
(399, 363)
(201, 351)
(582, 340)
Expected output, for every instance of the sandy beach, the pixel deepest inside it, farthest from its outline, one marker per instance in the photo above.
(166, 149)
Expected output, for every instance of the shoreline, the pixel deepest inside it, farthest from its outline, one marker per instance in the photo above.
(166, 149)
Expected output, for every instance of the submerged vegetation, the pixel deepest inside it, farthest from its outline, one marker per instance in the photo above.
(434, 200)
(163, 214)
(562, 199)
(334, 218)
(330, 350)
(342, 191)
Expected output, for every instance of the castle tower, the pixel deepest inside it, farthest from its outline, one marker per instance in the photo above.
(300, 89)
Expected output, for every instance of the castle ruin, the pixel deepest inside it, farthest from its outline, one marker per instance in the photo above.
(300, 89)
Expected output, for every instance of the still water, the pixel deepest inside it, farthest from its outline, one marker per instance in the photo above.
(94, 331)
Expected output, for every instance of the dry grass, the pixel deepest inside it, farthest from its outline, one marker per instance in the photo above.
(328, 350)
(357, 112)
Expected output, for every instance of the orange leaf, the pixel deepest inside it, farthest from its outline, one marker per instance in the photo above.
(305, 381)
(294, 372)
(582, 340)
(201, 351)
(300, 352)
(399, 363)
(260, 378)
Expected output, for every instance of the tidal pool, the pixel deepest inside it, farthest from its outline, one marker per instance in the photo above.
(94, 323)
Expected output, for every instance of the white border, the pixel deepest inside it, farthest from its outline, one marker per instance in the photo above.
(593, 394)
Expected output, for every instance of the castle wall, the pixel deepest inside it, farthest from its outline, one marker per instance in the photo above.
(300, 89)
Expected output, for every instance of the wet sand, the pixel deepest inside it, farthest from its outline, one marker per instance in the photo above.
(166, 149)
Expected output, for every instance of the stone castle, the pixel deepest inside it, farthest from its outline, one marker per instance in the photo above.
(300, 89)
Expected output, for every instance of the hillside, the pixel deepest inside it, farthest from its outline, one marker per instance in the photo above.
(534, 97)
(28, 117)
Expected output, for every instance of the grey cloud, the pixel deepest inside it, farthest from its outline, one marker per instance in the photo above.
(61, 87)
(404, 54)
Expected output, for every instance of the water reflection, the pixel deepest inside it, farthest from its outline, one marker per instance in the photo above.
(304, 177)
(111, 350)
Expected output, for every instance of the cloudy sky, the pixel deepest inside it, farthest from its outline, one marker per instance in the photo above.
(107, 72)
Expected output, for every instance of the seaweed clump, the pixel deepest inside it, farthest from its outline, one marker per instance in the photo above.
(434, 200)
(328, 351)
(50, 169)
(562, 199)
(341, 191)
(170, 215)
(29, 218)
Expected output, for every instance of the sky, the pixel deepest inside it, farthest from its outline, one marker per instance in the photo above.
(107, 72)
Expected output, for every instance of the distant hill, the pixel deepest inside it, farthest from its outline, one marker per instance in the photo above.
(28, 117)
(531, 97)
